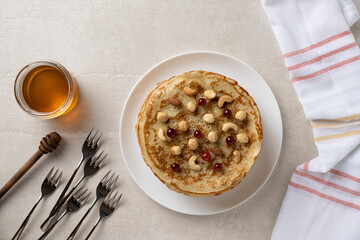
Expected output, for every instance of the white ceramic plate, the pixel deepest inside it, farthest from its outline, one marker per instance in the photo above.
(271, 120)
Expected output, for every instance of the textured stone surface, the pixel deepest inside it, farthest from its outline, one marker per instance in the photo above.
(107, 46)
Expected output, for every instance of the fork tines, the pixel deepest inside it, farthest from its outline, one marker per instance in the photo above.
(111, 201)
(55, 178)
(109, 183)
(92, 139)
(97, 161)
(80, 196)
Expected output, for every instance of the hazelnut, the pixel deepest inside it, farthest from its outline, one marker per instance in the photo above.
(193, 144)
(183, 125)
(242, 138)
(162, 117)
(240, 115)
(212, 136)
(175, 150)
(210, 94)
(209, 118)
(191, 106)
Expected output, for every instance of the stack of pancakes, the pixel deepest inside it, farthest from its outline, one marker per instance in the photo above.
(160, 112)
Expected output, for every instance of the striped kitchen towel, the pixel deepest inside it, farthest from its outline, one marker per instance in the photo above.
(323, 59)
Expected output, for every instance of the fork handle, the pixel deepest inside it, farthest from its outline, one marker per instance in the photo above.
(93, 229)
(24, 223)
(52, 227)
(67, 185)
(61, 200)
(49, 219)
(73, 233)
(71, 191)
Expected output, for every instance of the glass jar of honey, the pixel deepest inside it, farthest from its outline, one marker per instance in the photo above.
(45, 89)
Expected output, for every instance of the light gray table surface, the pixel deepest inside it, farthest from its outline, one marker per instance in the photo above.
(107, 46)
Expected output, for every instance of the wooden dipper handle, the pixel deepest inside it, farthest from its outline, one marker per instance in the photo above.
(47, 144)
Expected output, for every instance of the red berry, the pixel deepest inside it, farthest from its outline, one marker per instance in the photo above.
(230, 140)
(175, 167)
(201, 101)
(198, 134)
(227, 113)
(171, 133)
(218, 166)
(206, 156)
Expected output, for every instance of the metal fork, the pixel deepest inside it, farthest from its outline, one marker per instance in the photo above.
(89, 148)
(107, 207)
(48, 186)
(104, 187)
(92, 166)
(74, 204)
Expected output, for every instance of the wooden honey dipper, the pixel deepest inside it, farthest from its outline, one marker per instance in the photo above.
(48, 144)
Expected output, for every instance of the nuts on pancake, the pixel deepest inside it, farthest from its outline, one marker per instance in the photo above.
(183, 126)
(215, 150)
(228, 126)
(193, 144)
(214, 168)
(175, 150)
(174, 101)
(162, 117)
(193, 164)
(242, 138)
(237, 156)
(212, 136)
(161, 135)
(223, 99)
(209, 118)
(240, 115)
(210, 94)
(191, 106)
(189, 91)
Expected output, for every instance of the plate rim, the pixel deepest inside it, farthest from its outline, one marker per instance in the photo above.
(180, 55)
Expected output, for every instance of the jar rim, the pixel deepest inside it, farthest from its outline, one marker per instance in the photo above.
(18, 84)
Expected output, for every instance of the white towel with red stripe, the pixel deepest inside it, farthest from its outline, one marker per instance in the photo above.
(323, 59)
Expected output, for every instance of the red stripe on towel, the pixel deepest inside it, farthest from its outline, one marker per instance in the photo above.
(337, 65)
(345, 175)
(303, 64)
(290, 54)
(325, 196)
(306, 166)
(327, 183)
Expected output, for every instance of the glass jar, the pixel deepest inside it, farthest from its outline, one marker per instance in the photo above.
(45, 89)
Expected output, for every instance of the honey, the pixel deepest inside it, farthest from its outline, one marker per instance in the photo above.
(45, 89)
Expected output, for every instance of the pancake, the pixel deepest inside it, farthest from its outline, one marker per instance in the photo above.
(200, 133)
